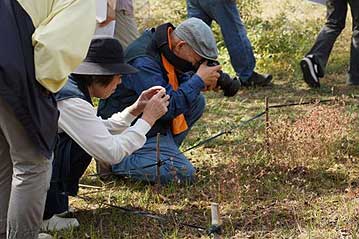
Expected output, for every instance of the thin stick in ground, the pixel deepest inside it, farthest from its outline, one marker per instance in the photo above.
(267, 125)
(158, 166)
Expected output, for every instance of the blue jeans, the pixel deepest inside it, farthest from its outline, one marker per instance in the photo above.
(226, 14)
(178, 168)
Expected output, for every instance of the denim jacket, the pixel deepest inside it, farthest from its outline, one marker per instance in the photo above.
(144, 56)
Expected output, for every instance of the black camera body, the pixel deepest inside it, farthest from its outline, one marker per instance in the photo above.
(230, 86)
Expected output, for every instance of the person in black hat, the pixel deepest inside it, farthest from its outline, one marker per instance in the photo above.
(83, 135)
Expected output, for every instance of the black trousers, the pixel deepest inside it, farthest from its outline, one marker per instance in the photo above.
(336, 16)
(69, 164)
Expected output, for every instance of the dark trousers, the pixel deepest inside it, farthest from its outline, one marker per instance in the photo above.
(336, 16)
(69, 164)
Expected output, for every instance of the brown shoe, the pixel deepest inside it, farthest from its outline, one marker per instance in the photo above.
(104, 170)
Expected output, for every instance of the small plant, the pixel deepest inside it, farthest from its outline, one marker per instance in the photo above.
(310, 136)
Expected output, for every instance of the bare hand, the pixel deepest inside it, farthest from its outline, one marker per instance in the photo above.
(209, 75)
(111, 13)
(105, 23)
(156, 107)
(140, 104)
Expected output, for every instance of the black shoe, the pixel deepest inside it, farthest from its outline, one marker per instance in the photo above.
(352, 80)
(257, 80)
(311, 71)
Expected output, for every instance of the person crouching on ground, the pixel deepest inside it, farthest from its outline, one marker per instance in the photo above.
(175, 58)
(82, 135)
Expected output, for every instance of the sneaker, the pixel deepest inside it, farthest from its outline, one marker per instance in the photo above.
(44, 236)
(56, 223)
(352, 81)
(69, 213)
(257, 80)
(311, 71)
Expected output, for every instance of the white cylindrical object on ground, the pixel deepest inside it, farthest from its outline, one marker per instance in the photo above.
(214, 213)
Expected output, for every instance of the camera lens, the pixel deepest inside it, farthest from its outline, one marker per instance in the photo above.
(229, 86)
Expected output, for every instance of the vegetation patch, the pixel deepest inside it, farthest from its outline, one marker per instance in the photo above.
(304, 186)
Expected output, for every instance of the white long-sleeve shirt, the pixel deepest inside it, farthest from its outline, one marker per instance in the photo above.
(108, 140)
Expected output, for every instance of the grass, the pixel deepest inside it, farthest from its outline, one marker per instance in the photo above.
(305, 187)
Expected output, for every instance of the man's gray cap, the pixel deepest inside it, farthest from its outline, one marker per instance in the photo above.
(199, 36)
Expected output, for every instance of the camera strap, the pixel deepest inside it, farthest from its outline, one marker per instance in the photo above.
(161, 40)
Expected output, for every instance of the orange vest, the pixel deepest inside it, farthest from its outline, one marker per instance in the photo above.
(178, 124)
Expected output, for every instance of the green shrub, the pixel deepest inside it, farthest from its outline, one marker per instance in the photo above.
(279, 43)
(151, 13)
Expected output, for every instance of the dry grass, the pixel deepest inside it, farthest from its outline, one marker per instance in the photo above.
(306, 187)
(310, 136)
(300, 10)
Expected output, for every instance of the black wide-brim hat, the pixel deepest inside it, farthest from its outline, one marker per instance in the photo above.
(104, 57)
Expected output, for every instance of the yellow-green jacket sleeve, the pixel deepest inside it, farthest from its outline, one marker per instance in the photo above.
(61, 41)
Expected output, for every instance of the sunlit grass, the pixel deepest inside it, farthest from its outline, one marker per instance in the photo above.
(305, 186)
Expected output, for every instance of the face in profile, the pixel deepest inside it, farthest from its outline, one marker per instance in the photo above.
(104, 91)
(185, 51)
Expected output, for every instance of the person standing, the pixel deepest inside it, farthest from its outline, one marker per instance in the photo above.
(105, 17)
(226, 14)
(116, 18)
(126, 27)
(40, 46)
(314, 63)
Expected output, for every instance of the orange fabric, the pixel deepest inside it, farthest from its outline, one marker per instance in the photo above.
(178, 124)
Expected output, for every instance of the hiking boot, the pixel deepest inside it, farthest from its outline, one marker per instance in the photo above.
(257, 80)
(56, 223)
(44, 236)
(311, 71)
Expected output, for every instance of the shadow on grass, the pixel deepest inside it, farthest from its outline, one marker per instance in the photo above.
(263, 197)
(258, 195)
(108, 222)
(270, 196)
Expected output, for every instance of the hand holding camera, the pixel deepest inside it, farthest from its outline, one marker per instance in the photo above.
(156, 107)
(140, 104)
(229, 86)
(209, 75)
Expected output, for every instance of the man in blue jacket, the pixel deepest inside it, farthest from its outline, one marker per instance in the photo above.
(176, 59)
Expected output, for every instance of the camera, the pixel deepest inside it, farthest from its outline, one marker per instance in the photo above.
(230, 86)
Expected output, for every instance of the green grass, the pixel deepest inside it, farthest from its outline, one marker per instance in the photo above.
(305, 187)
